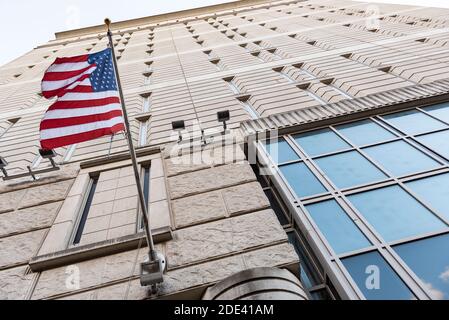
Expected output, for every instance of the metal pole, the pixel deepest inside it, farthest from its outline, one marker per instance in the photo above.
(153, 255)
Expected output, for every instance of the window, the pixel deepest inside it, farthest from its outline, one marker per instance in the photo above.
(280, 151)
(429, 260)
(110, 209)
(340, 231)
(389, 287)
(302, 180)
(380, 182)
(365, 132)
(349, 169)
(146, 189)
(434, 191)
(437, 141)
(440, 111)
(395, 214)
(249, 108)
(320, 142)
(143, 133)
(413, 122)
(82, 223)
(400, 158)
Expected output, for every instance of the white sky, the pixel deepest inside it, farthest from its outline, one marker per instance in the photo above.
(27, 23)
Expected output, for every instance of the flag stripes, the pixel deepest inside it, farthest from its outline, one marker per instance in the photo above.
(87, 106)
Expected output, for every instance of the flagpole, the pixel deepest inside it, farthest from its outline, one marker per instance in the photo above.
(152, 253)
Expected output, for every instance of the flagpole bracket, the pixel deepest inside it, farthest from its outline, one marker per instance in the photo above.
(152, 271)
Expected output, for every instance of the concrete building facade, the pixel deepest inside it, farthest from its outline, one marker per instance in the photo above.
(329, 181)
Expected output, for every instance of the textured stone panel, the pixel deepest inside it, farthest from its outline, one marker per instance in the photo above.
(245, 198)
(198, 209)
(46, 193)
(20, 248)
(207, 158)
(28, 219)
(210, 179)
(92, 273)
(14, 283)
(223, 237)
(10, 200)
(279, 255)
(217, 270)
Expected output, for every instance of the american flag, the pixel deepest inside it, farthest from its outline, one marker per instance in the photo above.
(87, 105)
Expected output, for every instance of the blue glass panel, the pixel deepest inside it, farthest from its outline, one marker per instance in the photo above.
(434, 191)
(302, 180)
(429, 259)
(280, 151)
(365, 132)
(364, 270)
(441, 111)
(340, 231)
(320, 142)
(400, 158)
(349, 169)
(438, 141)
(395, 214)
(413, 122)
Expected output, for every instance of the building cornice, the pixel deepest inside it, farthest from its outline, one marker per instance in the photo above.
(161, 18)
(351, 109)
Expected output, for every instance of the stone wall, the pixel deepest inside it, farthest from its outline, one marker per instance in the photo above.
(27, 211)
(221, 223)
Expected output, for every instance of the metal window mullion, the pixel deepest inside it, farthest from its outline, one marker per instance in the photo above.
(310, 164)
(429, 151)
(424, 204)
(431, 115)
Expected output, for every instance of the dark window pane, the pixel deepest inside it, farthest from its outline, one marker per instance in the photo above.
(395, 214)
(261, 179)
(365, 132)
(437, 142)
(275, 205)
(321, 295)
(308, 274)
(320, 142)
(280, 151)
(413, 122)
(440, 111)
(85, 214)
(399, 158)
(349, 169)
(302, 180)
(434, 191)
(363, 269)
(340, 231)
(429, 259)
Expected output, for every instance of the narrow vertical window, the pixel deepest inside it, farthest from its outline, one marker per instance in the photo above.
(249, 108)
(284, 75)
(146, 170)
(87, 205)
(231, 83)
(146, 102)
(5, 126)
(143, 133)
(147, 76)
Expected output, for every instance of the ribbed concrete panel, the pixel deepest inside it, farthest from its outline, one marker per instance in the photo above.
(346, 107)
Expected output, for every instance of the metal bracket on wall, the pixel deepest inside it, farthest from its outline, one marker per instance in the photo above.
(46, 154)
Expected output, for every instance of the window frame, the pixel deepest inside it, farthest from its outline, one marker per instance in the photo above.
(332, 262)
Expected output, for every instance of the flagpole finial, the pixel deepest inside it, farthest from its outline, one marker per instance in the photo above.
(107, 21)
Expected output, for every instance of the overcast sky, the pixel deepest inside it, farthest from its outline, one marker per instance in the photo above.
(26, 23)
